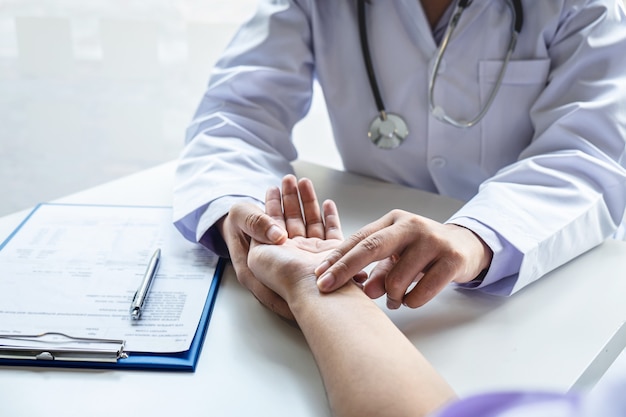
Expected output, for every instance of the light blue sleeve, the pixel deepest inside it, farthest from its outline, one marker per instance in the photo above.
(514, 404)
(608, 400)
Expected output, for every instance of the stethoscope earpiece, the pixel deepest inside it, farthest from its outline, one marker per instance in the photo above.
(388, 131)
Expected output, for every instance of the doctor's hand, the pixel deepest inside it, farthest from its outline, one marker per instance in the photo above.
(246, 221)
(411, 249)
(288, 269)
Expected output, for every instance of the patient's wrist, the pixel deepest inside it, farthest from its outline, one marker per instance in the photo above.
(301, 289)
(306, 293)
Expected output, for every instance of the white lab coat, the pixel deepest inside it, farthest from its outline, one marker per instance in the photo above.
(543, 173)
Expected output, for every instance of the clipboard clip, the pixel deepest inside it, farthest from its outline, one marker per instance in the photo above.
(54, 346)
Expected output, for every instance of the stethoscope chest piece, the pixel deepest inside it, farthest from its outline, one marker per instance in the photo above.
(388, 133)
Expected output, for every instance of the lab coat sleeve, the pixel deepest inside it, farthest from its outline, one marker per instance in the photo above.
(567, 192)
(239, 142)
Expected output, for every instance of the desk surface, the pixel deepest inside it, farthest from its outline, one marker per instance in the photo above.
(560, 332)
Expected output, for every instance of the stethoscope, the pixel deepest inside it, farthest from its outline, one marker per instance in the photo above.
(388, 130)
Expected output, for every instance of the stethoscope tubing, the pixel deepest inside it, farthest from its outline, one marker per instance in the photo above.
(438, 112)
(367, 58)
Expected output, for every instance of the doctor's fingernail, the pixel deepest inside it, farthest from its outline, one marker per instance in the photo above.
(321, 268)
(275, 233)
(392, 304)
(326, 281)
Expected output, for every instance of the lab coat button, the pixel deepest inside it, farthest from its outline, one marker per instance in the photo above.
(438, 162)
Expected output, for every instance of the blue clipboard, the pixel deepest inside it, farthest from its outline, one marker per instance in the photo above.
(176, 361)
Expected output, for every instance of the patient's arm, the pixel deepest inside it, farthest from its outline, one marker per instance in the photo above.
(368, 366)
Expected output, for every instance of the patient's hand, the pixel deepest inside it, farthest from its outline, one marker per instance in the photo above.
(288, 268)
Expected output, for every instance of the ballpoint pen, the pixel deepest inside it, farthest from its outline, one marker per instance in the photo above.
(141, 294)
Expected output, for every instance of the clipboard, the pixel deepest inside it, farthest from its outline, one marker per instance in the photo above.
(54, 348)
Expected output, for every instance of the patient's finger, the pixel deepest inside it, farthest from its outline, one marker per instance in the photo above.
(274, 206)
(311, 209)
(291, 207)
(332, 225)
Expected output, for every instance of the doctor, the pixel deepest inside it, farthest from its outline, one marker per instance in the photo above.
(516, 107)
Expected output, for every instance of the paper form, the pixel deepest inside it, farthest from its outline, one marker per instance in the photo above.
(75, 268)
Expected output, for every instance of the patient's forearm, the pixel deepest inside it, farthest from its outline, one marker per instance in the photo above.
(368, 366)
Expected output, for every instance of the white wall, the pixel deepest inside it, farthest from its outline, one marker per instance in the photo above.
(96, 89)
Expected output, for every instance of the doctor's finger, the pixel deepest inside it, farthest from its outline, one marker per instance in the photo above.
(291, 207)
(368, 245)
(350, 243)
(414, 261)
(396, 287)
(253, 222)
(375, 285)
(311, 209)
(435, 279)
(332, 224)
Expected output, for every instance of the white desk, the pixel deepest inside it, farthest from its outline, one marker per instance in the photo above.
(560, 332)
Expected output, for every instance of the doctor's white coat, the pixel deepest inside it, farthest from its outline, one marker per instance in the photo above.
(543, 174)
